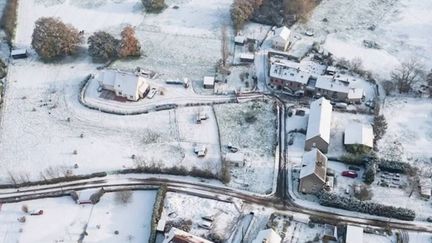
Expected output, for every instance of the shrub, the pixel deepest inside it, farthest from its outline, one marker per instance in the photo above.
(102, 46)
(157, 211)
(129, 44)
(350, 203)
(3, 69)
(154, 6)
(379, 126)
(52, 39)
(123, 197)
(370, 172)
(24, 208)
(8, 20)
(394, 166)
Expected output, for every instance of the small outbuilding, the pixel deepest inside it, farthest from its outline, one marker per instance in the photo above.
(235, 159)
(240, 40)
(209, 82)
(358, 137)
(356, 95)
(179, 236)
(19, 53)
(247, 57)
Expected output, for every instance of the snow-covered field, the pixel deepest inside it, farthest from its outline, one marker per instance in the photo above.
(254, 138)
(182, 208)
(64, 221)
(409, 132)
(44, 129)
(400, 27)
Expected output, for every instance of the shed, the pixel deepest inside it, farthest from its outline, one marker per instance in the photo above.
(19, 53)
(179, 236)
(209, 82)
(281, 38)
(247, 57)
(355, 95)
(426, 188)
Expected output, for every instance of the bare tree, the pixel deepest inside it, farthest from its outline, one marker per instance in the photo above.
(407, 75)
(224, 47)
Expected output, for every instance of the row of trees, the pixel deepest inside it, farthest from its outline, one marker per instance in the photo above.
(353, 204)
(242, 11)
(52, 39)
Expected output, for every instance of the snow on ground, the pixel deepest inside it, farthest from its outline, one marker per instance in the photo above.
(401, 29)
(181, 207)
(409, 130)
(255, 138)
(183, 42)
(64, 221)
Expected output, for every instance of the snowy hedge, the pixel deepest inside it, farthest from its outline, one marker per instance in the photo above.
(353, 204)
(157, 211)
(394, 166)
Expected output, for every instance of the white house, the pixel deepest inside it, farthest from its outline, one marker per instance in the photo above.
(318, 130)
(209, 82)
(280, 40)
(358, 134)
(128, 85)
(354, 234)
(267, 236)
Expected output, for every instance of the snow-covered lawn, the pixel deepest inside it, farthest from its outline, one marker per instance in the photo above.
(400, 27)
(251, 127)
(64, 221)
(409, 132)
(180, 208)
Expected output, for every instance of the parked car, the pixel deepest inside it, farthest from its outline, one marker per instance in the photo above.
(354, 168)
(429, 219)
(349, 173)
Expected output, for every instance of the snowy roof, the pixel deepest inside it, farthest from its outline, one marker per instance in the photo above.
(283, 33)
(356, 133)
(355, 93)
(331, 69)
(425, 187)
(314, 162)
(127, 83)
(281, 71)
(319, 119)
(209, 80)
(267, 236)
(18, 52)
(354, 234)
(177, 235)
(330, 83)
(247, 55)
(239, 39)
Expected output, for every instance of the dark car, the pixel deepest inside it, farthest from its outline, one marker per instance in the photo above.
(351, 174)
(354, 168)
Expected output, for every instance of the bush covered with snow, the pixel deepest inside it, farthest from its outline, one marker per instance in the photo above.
(350, 203)
(394, 166)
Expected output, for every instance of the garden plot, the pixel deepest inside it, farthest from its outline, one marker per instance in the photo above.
(64, 221)
(409, 130)
(224, 215)
(250, 127)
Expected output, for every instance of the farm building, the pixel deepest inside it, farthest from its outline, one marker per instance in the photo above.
(179, 236)
(313, 171)
(130, 86)
(280, 40)
(209, 82)
(289, 77)
(358, 137)
(19, 53)
(354, 234)
(267, 236)
(318, 130)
